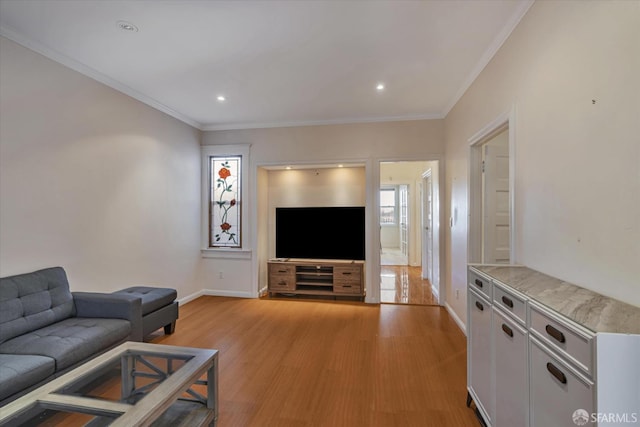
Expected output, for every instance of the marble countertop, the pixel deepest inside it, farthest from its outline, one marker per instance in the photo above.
(587, 308)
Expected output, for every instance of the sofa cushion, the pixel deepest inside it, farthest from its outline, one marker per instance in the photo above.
(17, 372)
(70, 341)
(152, 298)
(33, 300)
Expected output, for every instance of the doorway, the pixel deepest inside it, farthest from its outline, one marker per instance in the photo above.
(407, 221)
(491, 185)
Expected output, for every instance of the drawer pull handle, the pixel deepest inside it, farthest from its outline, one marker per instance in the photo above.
(282, 283)
(556, 373)
(559, 336)
(508, 302)
(507, 330)
(480, 306)
(347, 273)
(282, 271)
(346, 286)
(479, 283)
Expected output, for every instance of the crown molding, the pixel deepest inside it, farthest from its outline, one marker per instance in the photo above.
(60, 58)
(490, 53)
(240, 126)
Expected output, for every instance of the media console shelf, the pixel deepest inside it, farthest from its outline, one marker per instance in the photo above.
(316, 277)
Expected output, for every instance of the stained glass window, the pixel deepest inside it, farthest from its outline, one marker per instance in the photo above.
(225, 204)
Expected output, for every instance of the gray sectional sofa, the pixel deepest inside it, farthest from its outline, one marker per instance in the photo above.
(46, 330)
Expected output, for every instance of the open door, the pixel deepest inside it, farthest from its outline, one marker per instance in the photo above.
(403, 218)
(427, 226)
(491, 188)
(496, 228)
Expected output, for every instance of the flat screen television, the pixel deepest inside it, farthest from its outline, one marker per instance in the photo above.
(320, 232)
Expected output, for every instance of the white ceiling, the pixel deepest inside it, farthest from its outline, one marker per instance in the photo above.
(278, 63)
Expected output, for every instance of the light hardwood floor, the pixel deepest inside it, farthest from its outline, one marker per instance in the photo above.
(402, 284)
(310, 363)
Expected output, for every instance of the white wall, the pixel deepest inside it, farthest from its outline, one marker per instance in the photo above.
(313, 188)
(94, 181)
(577, 178)
(365, 143)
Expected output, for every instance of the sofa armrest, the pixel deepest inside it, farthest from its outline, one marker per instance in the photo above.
(114, 306)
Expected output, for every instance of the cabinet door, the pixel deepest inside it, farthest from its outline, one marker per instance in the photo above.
(479, 354)
(511, 374)
(557, 391)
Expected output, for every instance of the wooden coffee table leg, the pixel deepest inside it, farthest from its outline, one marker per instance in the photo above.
(212, 389)
(127, 379)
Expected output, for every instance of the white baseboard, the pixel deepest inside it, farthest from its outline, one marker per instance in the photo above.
(436, 292)
(216, 293)
(222, 293)
(456, 319)
(190, 298)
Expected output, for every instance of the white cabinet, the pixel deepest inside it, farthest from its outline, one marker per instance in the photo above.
(529, 365)
(557, 390)
(511, 372)
(479, 345)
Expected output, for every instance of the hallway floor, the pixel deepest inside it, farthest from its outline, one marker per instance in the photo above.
(402, 284)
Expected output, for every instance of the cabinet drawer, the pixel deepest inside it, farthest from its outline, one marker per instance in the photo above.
(282, 282)
(557, 391)
(510, 303)
(480, 283)
(573, 343)
(281, 269)
(347, 288)
(347, 274)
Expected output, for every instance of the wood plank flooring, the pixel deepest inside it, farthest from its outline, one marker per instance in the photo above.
(401, 284)
(310, 363)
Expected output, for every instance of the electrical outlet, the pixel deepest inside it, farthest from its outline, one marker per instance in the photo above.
(457, 293)
(220, 275)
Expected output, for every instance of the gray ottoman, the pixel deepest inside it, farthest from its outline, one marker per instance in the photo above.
(159, 307)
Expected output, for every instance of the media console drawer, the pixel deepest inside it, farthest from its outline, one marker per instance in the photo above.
(282, 277)
(347, 274)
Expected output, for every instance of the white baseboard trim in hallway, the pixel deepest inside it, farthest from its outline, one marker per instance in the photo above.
(456, 319)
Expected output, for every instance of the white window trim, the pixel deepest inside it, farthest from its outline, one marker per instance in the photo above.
(395, 208)
(244, 252)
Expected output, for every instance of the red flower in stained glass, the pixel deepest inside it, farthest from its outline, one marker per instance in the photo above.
(225, 226)
(224, 173)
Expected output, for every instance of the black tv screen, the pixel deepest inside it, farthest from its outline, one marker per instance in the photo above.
(320, 232)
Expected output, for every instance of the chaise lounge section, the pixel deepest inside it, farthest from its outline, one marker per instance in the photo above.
(46, 330)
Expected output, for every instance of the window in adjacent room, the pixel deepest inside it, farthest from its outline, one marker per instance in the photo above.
(388, 201)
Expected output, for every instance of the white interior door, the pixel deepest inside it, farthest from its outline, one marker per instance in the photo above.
(496, 227)
(403, 217)
(427, 228)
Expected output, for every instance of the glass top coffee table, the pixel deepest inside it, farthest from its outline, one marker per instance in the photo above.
(134, 384)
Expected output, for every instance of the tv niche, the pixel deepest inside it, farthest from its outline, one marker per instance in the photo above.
(320, 251)
(330, 233)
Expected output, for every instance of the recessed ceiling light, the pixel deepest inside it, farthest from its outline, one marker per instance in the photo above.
(380, 87)
(127, 26)
(288, 168)
(221, 98)
(340, 166)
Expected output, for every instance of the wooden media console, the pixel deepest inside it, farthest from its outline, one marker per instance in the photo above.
(316, 277)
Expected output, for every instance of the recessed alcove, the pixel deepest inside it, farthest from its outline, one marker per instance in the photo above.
(301, 185)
